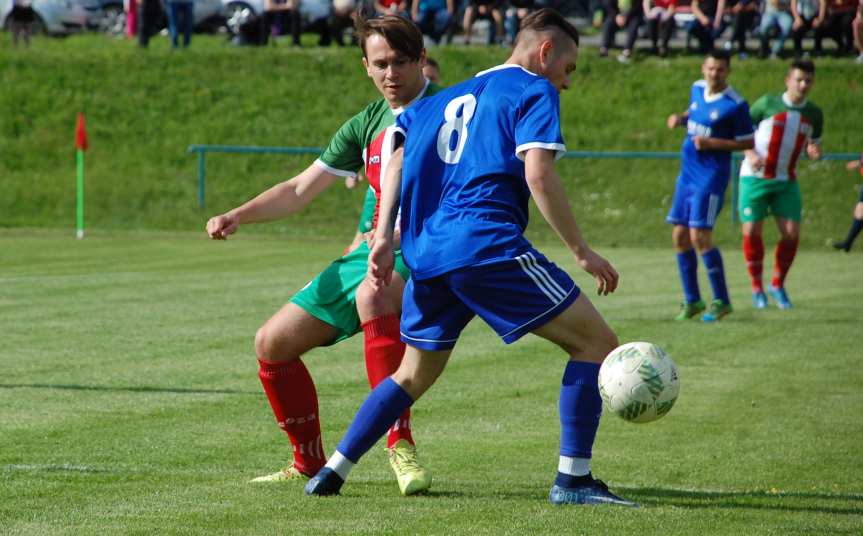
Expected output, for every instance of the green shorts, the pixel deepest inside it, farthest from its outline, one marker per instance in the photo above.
(331, 296)
(760, 197)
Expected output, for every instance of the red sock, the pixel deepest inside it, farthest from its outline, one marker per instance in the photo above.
(384, 352)
(785, 252)
(292, 396)
(753, 252)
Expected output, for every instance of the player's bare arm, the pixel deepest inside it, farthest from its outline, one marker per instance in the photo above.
(381, 259)
(720, 144)
(279, 201)
(551, 199)
(677, 120)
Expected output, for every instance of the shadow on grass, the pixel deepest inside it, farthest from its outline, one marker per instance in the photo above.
(792, 501)
(128, 389)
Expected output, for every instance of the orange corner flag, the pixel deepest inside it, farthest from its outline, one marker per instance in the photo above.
(80, 133)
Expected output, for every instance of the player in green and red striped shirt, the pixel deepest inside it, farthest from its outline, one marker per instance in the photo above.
(788, 124)
(338, 304)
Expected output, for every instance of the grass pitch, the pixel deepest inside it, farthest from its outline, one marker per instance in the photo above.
(129, 403)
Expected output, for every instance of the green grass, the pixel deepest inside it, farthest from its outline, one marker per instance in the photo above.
(129, 403)
(145, 107)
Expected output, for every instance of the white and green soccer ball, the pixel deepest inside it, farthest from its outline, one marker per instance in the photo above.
(638, 382)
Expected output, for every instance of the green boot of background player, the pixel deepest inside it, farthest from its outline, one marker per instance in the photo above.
(717, 311)
(688, 310)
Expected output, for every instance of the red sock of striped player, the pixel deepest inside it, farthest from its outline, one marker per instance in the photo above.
(753, 252)
(384, 352)
(785, 252)
(292, 396)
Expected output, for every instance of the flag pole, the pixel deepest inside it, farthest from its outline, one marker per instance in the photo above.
(80, 147)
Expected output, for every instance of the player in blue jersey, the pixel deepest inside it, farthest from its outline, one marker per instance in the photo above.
(470, 161)
(717, 123)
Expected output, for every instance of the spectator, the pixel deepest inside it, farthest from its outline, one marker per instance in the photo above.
(343, 16)
(431, 70)
(660, 23)
(621, 14)
(181, 18)
(484, 9)
(131, 9)
(777, 14)
(433, 17)
(392, 7)
(517, 10)
(744, 14)
(857, 27)
(808, 15)
(283, 16)
(151, 13)
(837, 25)
(708, 23)
(316, 14)
(21, 19)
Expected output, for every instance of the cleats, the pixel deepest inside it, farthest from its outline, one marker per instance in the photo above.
(759, 300)
(288, 474)
(779, 295)
(689, 310)
(717, 311)
(411, 476)
(591, 492)
(841, 246)
(326, 482)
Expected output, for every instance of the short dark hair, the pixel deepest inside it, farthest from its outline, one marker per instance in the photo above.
(546, 19)
(402, 34)
(807, 66)
(721, 55)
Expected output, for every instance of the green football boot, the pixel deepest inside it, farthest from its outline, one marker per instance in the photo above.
(717, 311)
(688, 310)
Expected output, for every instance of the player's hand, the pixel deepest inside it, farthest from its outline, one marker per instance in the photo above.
(602, 271)
(673, 121)
(852, 165)
(813, 151)
(756, 162)
(220, 227)
(381, 262)
(620, 20)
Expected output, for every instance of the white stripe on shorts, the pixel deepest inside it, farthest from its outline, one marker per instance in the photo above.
(541, 269)
(538, 278)
(712, 209)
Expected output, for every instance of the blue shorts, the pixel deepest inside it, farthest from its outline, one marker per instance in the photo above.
(695, 206)
(513, 296)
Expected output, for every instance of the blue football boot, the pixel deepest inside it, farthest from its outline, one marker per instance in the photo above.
(759, 300)
(326, 482)
(781, 297)
(592, 491)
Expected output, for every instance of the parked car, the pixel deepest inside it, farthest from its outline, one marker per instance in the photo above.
(58, 17)
(208, 16)
(238, 12)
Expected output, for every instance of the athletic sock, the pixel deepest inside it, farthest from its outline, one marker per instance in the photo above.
(380, 410)
(785, 251)
(716, 274)
(753, 252)
(292, 395)
(856, 227)
(384, 351)
(687, 265)
(580, 409)
(341, 465)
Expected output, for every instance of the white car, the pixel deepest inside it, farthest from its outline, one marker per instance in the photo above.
(238, 12)
(58, 17)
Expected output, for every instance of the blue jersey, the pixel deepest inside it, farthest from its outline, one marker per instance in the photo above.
(726, 116)
(464, 198)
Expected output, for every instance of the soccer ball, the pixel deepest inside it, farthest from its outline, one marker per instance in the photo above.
(638, 381)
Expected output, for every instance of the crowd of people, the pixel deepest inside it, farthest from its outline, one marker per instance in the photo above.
(704, 24)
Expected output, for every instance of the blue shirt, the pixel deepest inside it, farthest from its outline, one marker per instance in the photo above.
(464, 195)
(726, 116)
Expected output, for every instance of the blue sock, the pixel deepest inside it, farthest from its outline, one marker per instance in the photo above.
(580, 408)
(715, 272)
(380, 410)
(687, 264)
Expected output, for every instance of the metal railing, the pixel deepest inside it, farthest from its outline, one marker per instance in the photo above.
(736, 159)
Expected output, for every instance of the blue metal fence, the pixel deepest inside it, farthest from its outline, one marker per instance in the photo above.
(202, 151)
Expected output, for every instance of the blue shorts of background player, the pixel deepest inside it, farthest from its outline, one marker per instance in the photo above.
(694, 206)
(513, 297)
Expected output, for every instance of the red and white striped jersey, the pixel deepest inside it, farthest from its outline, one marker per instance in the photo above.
(781, 135)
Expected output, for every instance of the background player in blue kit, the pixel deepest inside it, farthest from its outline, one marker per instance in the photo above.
(717, 123)
(471, 160)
